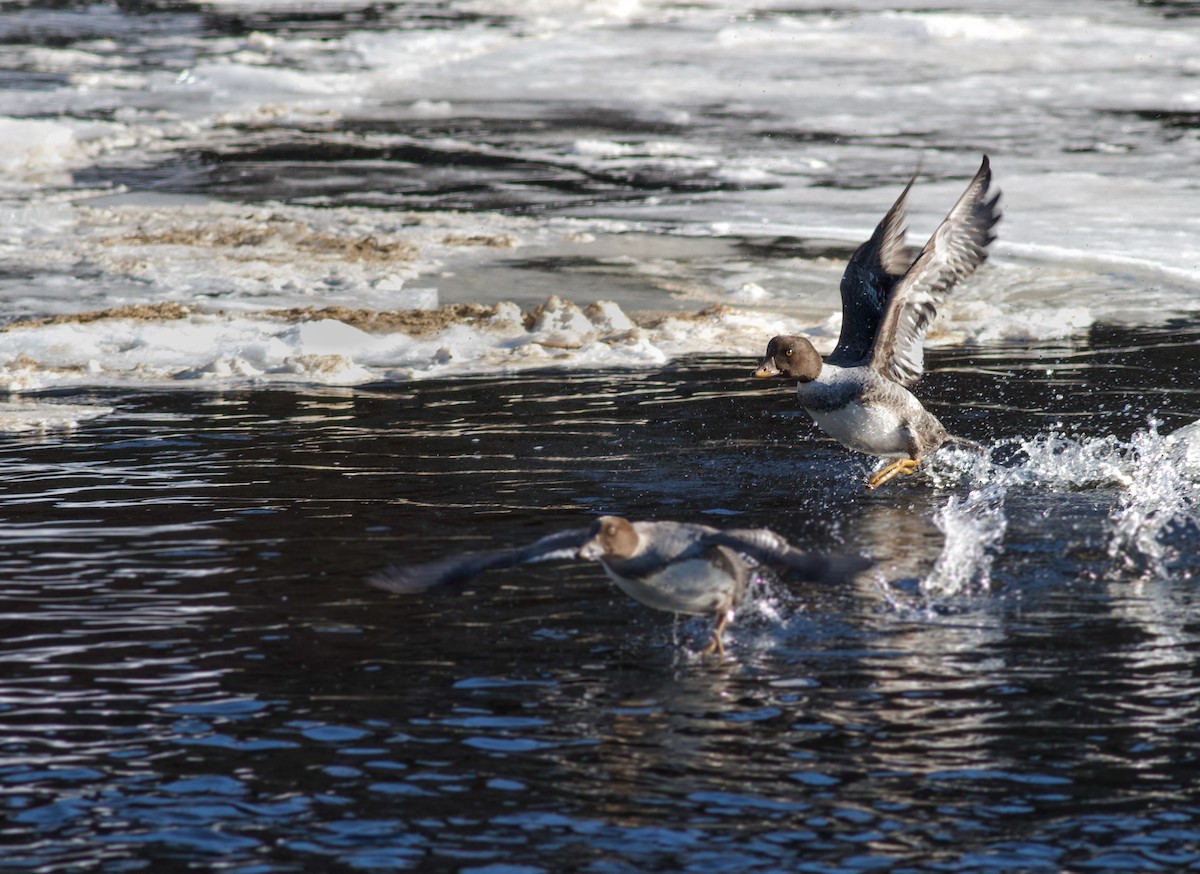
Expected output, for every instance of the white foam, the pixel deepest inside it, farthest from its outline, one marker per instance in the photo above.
(27, 415)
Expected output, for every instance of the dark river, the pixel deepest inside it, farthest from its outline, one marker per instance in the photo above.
(196, 675)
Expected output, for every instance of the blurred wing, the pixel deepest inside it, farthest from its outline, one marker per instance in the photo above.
(409, 579)
(766, 547)
(957, 247)
(874, 269)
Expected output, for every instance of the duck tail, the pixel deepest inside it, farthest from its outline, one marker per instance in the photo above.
(954, 440)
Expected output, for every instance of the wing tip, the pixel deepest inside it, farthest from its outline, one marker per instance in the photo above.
(399, 580)
(413, 579)
(839, 568)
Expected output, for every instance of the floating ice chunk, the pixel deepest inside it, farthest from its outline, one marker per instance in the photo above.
(720, 327)
(607, 316)
(327, 337)
(398, 56)
(410, 298)
(224, 367)
(599, 148)
(638, 352)
(559, 340)
(748, 292)
(419, 299)
(746, 177)
(391, 282)
(328, 369)
(562, 317)
(159, 344)
(951, 26)
(30, 147)
(431, 108)
(23, 416)
(985, 323)
(508, 318)
(249, 84)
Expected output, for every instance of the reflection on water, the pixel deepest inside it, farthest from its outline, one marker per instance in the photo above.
(194, 670)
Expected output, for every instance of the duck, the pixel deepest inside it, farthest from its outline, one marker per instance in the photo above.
(677, 567)
(859, 394)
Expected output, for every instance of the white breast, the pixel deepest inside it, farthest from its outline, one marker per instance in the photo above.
(696, 587)
(874, 429)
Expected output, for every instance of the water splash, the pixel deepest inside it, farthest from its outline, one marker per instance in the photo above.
(1156, 479)
(1163, 496)
(1048, 460)
(770, 601)
(973, 527)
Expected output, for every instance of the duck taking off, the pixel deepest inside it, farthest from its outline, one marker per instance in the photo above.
(859, 394)
(678, 567)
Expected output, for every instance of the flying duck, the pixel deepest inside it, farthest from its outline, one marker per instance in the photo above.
(859, 394)
(678, 567)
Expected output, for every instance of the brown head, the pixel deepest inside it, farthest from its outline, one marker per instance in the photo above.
(610, 537)
(791, 357)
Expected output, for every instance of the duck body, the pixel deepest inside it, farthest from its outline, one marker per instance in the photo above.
(672, 566)
(682, 567)
(677, 567)
(870, 414)
(860, 395)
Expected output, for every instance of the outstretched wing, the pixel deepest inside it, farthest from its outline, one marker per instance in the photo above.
(409, 579)
(874, 269)
(766, 547)
(957, 247)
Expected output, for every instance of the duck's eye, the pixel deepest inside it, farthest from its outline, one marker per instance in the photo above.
(611, 530)
(788, 353)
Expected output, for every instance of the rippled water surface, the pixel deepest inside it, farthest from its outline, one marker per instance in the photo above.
(219, 216)
(195, 670)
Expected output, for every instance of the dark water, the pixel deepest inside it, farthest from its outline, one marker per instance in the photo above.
(195, 675)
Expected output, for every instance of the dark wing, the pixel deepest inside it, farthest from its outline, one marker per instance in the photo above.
(874, 269)
(768, 548)
(957, 247)
(409, 579)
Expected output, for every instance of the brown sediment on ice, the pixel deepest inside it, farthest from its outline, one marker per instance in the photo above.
(709, 313)
(413, 322)
(28, 362)
(492, 241)
(255, 234)
(146, 312)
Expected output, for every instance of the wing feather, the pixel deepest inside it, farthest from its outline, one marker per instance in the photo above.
(871, 275)
(957, 247)
(458, 570)
(768, 548)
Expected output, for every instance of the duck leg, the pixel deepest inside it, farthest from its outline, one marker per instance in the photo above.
(718, 645)
(904, 466)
